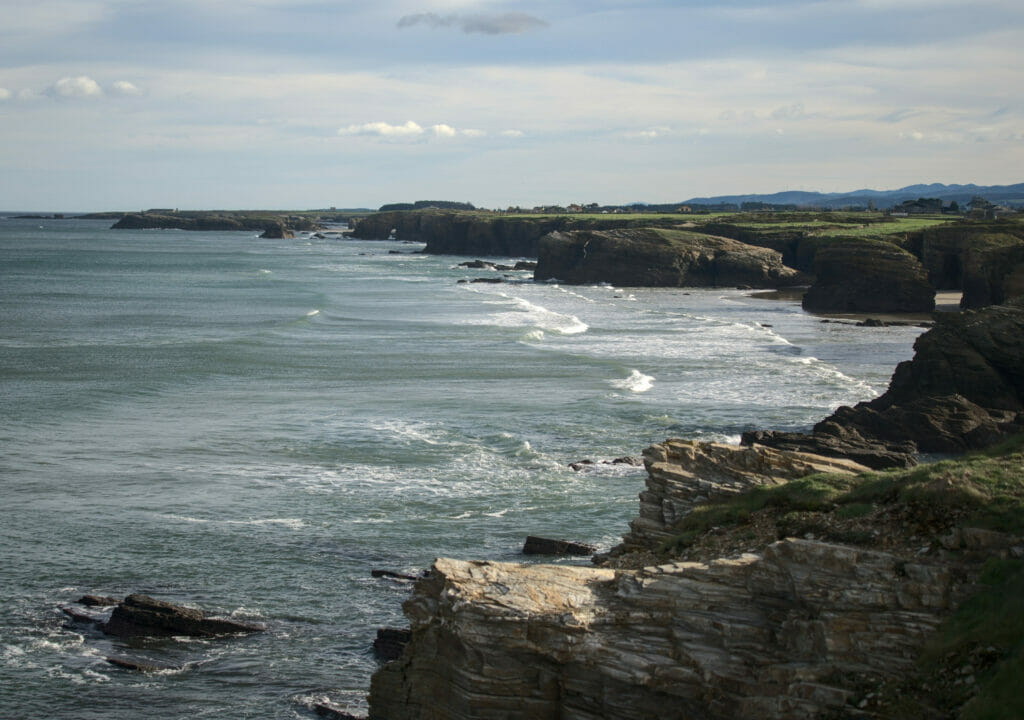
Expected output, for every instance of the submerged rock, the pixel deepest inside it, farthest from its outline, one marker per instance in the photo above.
(141, 615)
(544, 546)
(137, 665)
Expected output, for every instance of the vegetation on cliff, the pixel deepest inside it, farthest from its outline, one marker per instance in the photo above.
(963, 509)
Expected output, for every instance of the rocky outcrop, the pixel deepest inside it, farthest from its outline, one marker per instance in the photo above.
(652, 257)
(964, 389)
(685, 473)
(277, 231)
(943, 250)
(460, 233)
(992, 275)
(854, 276)
(212, 221)
(777, 635)
(141, 615)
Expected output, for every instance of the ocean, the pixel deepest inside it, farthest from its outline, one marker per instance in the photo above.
(251, 426)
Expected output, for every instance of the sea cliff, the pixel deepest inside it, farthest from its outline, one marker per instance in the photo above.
(755, 583)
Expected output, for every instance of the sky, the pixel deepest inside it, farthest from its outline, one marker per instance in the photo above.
(297, 104)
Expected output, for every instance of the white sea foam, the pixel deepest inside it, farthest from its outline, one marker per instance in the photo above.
(637, 382)
(311, 313)
(291, 523)
(534, 336)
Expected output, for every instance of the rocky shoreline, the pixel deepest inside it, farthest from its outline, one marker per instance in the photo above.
(817, 602)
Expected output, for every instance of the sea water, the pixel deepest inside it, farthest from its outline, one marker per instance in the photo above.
(251, 426)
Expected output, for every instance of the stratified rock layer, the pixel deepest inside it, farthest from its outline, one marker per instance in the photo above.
(684, 473)
(649, 257)
(772, 636)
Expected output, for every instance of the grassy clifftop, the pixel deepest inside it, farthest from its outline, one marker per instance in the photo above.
(968, 511)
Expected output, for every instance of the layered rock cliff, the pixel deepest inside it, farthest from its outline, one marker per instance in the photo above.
(462, 233)
(868, 276)
(655, 257)
(755, 582)
(801, 628)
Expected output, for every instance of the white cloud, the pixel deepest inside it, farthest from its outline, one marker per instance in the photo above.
(5, 94)
(512, 133)
(123, 87)
(76, 87)
(383, 129)
(444, 131)
(507, 23)
(473, 133)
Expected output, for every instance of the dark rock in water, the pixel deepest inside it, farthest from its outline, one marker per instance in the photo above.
(136, 665)
(477, 265)
(544, 546)
(81, 617)
(525, 265)
(140, 615)
(277, 231)
(331, 712)
(488, 280)
(626, 460)
(868, 276)
(391, 574)
(97, 601)
(390, 642)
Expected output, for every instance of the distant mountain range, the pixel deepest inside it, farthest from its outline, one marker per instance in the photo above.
(1012, 195)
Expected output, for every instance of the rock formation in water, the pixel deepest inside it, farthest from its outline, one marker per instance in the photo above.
(854, 276)
(212, 221)
(654, 257)
(141, 615)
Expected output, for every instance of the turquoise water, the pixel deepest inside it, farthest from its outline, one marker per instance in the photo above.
(251, 426)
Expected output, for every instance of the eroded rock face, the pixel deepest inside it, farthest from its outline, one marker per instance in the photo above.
(963, 390)
(685, 473)
(647, 257)
(868, 276)
(993, 276)
(772, 636)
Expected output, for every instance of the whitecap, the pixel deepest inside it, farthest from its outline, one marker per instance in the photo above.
(291, 523)
(311, 313)
(534, 336)
(637, 382)
(500, 513)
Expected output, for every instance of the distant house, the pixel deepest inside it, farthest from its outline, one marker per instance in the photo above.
(921, 206)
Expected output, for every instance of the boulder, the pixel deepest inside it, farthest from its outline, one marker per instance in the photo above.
(97, 601)
(544, 546)
(141, 615)
(654, 257)
(854, 276)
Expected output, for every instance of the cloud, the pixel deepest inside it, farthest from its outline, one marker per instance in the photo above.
(512, 133)
(123, 87)
(507, 23)
(383, 129)
(76, 87)
(5, 94)
(409, 130)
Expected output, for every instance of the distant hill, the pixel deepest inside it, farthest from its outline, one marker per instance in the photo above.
(1012, 195)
